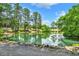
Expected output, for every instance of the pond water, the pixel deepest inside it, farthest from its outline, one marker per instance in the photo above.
(40, 39)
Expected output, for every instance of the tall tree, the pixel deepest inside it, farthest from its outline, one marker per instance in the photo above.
(39, 21)
(1, 30)
(36, 19)
(7, 14)
(1, 9)
(17, 13)
(69, 23)
(26, 13)
(53, 25)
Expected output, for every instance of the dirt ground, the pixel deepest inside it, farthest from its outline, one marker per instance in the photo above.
(26, 50)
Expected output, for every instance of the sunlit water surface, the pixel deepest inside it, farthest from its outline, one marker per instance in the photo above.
(41, 39)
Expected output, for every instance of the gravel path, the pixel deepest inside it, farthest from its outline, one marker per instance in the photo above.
(22, 50)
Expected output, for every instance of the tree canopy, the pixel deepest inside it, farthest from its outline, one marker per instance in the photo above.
(69, 23)
(15, 16)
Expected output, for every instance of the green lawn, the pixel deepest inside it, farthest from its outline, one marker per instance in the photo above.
(70, 41)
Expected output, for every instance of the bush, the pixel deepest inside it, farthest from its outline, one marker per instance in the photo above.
(1, 33)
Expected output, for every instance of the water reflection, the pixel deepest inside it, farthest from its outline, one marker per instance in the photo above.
(43, 38)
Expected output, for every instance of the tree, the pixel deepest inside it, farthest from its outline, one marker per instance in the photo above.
(36, 19)
(7, 15)
(26, 14)
(26, 25)
(45, 28)
(1, 30)
(14, 25)
(69, 23)
(17, 13)
(1, 9)
(53, 25)
(39, 21)
(13, 15)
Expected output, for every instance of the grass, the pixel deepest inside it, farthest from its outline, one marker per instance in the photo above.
(70, 41)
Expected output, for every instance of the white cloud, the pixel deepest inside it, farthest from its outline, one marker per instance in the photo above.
(59, 14)
(47, 22)
(63, 13)
(45, 5)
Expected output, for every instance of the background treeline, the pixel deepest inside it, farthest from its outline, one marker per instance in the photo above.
(15, 17)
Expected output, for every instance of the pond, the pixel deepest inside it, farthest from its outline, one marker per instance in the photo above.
(41, 39)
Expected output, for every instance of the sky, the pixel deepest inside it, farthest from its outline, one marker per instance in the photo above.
(49, 11)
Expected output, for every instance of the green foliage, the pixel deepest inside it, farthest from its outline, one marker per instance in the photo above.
(45, 35)
(36, 20)
(15, 11)
(45, 28)
(14, 16)
(53, 25)
(1, 7)
(14, 25)
(1, 33)
(26, 15)
(26, 25)
(69, 23)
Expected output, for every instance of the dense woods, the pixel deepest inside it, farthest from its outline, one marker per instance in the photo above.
(15, 17)
(69, 23)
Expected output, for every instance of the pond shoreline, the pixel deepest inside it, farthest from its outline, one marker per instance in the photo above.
(31, 50)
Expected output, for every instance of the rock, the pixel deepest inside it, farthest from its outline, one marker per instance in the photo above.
(69, 48)
(42, 49)
(73, 49)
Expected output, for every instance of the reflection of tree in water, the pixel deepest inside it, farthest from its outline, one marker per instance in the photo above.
(15, 36)
(53, 38)
(30, 38)
(38, 37)
(27, 37)
(45, 35)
